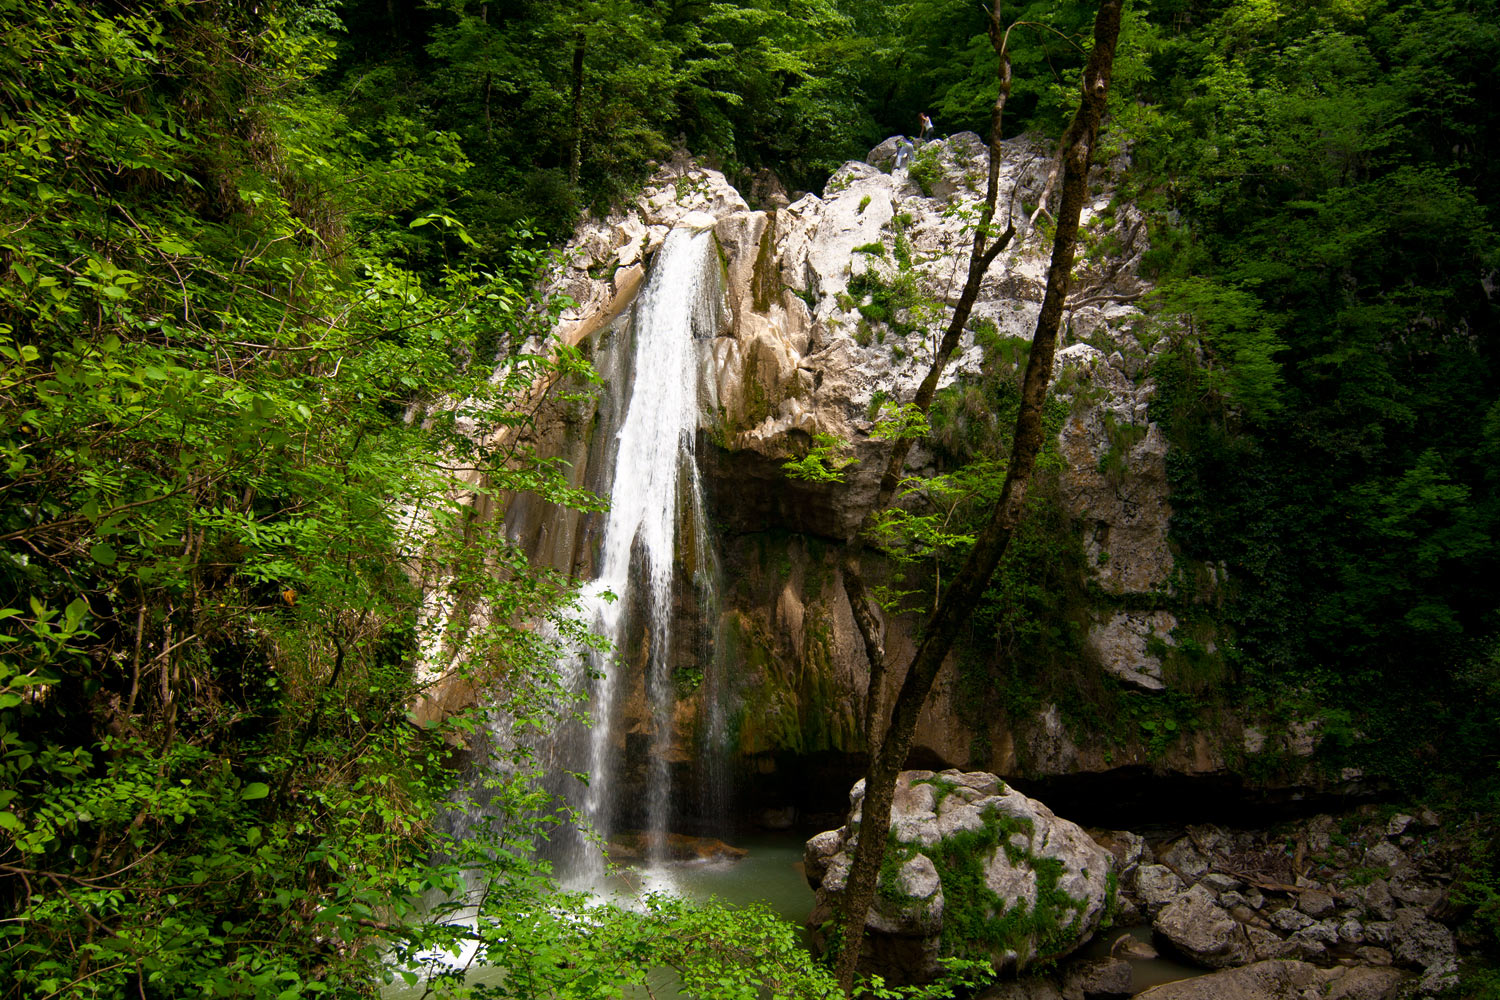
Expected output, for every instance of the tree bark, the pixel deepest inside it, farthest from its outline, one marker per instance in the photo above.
(967, 588)
(575, 155)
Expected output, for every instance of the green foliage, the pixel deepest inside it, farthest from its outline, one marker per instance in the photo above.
(243, 382)
(1122, 438)
(926, 169)
(896, 304)
(561, 106)
(1322, 214)
(977, 923)
(824, 462)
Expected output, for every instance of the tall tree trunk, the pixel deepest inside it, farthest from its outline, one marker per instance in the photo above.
(965, 590)
(575, 157)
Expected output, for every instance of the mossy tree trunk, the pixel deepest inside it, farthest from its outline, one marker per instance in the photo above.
(965, 591)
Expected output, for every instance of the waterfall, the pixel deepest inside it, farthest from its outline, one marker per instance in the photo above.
(656, 511)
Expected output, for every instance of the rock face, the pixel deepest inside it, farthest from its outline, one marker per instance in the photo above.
(973, 868)
(832, 303)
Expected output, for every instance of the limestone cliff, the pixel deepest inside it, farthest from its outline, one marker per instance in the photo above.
(832, 304)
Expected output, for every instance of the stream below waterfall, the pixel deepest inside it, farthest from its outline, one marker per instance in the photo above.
(770, 874)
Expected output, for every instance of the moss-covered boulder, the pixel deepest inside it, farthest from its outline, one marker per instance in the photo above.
(972, 868)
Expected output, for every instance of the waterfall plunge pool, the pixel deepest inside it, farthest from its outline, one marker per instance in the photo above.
(770, 874)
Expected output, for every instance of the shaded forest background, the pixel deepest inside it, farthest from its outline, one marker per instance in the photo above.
(242, 244)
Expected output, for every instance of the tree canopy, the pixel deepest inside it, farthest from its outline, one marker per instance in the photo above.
(267, 267)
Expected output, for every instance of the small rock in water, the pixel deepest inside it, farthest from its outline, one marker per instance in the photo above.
(1127, 945)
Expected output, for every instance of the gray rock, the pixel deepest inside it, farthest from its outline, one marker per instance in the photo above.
(1371, 955)
(1324, 931)
(1289, 920)
(906, 924)
(1315, 903)
(1100, 979)
(1415, 893)
(919, 878)
(883, 156)
(818, 852)
(1245, 915)
(1312, 942)
(1320, 833)
(1361, 983)
(1186, 859)
(1439, 978)
(1119, 643)
(1208, 837)
(1398, 824)
(1268, 944)
(1156, 885)
(1221, 883)
(1129, 849)
(1200, 929)
(1351, 931)
(1127, 945)
(1276, 979)
(1376, 899)
(1417, 941)
(1389, 856)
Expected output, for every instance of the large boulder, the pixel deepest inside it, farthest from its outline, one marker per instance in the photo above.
(973, 868)
(1203, 931)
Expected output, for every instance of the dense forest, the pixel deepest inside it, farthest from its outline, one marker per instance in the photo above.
(267, 267)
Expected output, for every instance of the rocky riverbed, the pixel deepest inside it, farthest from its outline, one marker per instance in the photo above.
(1351, 906)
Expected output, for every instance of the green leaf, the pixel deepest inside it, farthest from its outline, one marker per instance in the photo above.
(102, 553)
(255, 790)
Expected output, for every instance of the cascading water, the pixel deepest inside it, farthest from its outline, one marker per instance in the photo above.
(656, 506)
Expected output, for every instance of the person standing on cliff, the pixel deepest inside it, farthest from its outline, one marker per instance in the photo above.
(925, 126)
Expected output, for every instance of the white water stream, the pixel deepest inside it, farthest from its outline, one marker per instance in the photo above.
(655, 483)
